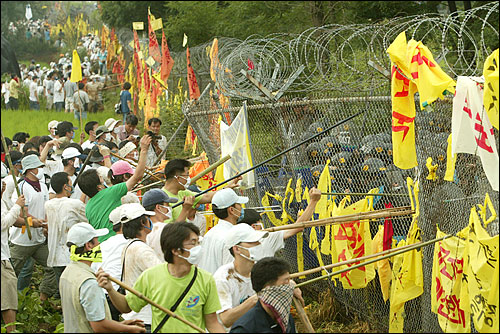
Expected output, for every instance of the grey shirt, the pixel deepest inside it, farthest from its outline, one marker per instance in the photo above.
(70, 88)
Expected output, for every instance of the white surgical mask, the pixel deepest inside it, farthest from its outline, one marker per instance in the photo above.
(107, 137)
(136, 155)
(38, 175)
(167, 214)
(194, 255)
(188, 181)
(255, 253)
(116, 130)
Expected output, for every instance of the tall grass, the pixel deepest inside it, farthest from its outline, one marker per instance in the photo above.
(35, 122)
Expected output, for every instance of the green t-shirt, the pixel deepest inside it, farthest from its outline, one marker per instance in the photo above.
(180, 195)
(157, 284)
(100, 206)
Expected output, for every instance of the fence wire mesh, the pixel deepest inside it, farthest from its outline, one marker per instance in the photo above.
(327, 78)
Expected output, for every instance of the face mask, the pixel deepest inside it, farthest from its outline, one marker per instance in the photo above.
(188, 181)
(107, 137)
(261, 226)
(72, 190)
(114, 159)
(38, 175)
(116, 130)
(255, 253)
(73, 136)
(53, 132)
(194, 255)
(93, 255)
(242, 215)
(168, 214)
(150, 227)
(279, 299)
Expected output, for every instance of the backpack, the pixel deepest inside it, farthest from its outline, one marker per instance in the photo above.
(118, 108)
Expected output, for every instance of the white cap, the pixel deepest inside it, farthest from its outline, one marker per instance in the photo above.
(132, 211)
(103, 171)
(243, 233)
(115, 215)
(226, 197)
(53, 124)
(81, 233)
(30, 73)
(70, 152)
(110, 122)
(129, 147)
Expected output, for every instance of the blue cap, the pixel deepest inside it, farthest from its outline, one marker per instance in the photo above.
(156, 196)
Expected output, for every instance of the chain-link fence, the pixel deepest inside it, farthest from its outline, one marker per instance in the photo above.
(327, 74)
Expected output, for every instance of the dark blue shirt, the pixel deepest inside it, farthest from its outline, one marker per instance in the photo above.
(256, 320)
(124, 97)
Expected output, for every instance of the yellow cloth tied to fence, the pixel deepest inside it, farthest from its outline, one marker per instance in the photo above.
(383, 266)
(490, 97)
(265, 202)
(450, 162)
(408, 279)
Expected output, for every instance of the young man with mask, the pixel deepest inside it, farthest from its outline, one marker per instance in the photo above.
(233, 279)
(167, 284)
(177, 181)
(66, 133)
(137, 256)
(15, 157)
(276, 240)
(71, 159)
(158, 144)
(157, 201)
(270, 278)
(226, 205)
(103, 199)
(90, 129)
(113, 126)
(52, 126)
(22, 248)
(62, 213)
(84, 305)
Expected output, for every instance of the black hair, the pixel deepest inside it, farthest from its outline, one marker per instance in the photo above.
(58, 180)
(220, 213)
(65, 162)
(15, 156)
(90, 126)
(151, 207)
(117, 227)
(154, 120)
(173, 236)
(21, 137)
(44, 140)
(29, 145)
(267, 271)
(111, 145)
(127, 86)
(8, 141)
(174, 166)
(131, 120)
(78, 250)
(251, 217)
(115, 179)
(81, 85)
(88, 182)
(131, 229)
(123, 143)
(30, 153)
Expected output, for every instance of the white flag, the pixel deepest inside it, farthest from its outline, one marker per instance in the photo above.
(235, 141)
(471, 128)
(28, 12)
(184, 40)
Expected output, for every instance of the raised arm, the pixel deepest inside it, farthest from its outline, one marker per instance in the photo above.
(315, 196)
(141, 164)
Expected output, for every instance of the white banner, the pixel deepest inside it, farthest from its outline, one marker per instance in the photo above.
(235, 141)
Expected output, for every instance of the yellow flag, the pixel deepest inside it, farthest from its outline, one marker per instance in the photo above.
(383, 267)
(450, 162)
(270, 214)
(447, 277)
(76, 68)
(490, 99)
(396, 320)
(298, 190)
(184, 40)
(156, 24)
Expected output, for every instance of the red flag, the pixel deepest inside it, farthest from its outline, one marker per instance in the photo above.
(388, 230)
(146, 79)
(194, 90)
(154, 48)
(118, 68)
(167, 62)
(250, 65)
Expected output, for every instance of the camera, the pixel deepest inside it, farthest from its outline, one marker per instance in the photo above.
(153, 136)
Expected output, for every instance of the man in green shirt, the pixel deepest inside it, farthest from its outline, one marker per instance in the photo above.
(165, 284)
(177, 181)
(104, 199)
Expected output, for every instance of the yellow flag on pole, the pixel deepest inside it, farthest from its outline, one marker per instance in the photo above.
(76, 68)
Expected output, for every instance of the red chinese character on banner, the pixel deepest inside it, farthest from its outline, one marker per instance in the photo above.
(406, 83)
(456, 264)
(450, 309)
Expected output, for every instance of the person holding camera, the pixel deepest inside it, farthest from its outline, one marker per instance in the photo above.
(159, 142)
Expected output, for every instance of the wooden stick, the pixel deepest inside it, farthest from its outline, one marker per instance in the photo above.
(347, 262)
(11, 166)
(363, 194)
(210, 168)
(149, 301)
(391, 212)
(303, 315)
(401, 251)
(135, 165)
(149, 185)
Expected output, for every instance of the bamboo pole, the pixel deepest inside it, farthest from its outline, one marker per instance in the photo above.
(362, 194)
(170, 141)
(390, 212)
(149, 185)
(210, 168)
(347, 262)
(303, 316)
(149, 301)
(273, 157)
(135, 165)
(401, 251)
(85, 163)
(11, 166)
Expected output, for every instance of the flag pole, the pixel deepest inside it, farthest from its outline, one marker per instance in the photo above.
(275, 156)
(401, 251)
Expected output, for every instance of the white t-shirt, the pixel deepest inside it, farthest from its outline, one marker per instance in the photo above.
(77, 192)
(214, 253)
(111, 250)
(200, 221)
(9, 217)
(273, 243)
(6, 92)
(139, 257)
(58, 95)
(52, 166)
(232, 288)
(87, 144)
(151, 156)
(35, 201)
(9, 189)
(62, 213)
(153, 239)
(33, 91)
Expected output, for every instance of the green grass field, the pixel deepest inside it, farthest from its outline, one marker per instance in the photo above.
(35, 122)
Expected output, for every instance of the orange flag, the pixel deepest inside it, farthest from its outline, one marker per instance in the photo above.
(154, 48)
(167, 62)
(194, 90)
